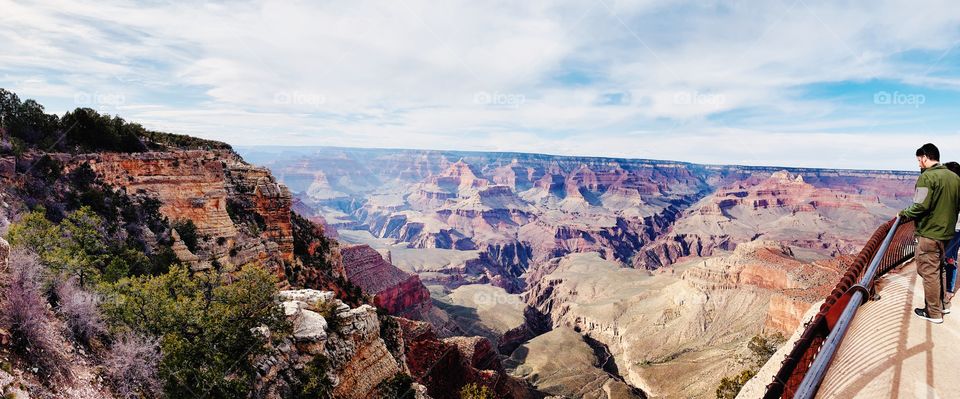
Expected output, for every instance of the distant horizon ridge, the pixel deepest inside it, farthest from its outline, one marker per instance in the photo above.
(789, 168)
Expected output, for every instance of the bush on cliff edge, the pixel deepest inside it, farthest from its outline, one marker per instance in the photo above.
(761, 347)
(207, 322)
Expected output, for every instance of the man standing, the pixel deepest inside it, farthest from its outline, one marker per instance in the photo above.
(935, 207)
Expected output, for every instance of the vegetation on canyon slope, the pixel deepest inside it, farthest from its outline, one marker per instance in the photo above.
(205, 324)
(475, 391)
(208, 324)
(92, 271)
(761, 347)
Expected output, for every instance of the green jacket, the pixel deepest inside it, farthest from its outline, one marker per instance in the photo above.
(936, 203)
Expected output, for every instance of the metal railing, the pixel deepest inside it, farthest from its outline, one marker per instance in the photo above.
(805, 366)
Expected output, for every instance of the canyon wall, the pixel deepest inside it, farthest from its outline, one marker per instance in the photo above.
(714, 254)
(523, 209)
(832, 219)
(668, 330)
(398, 292)
(211, 189)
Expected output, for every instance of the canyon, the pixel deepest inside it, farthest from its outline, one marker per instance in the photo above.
(529, 274)
(654, 273)
(240, 214)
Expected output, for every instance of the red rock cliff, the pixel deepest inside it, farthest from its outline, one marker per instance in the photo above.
(395, 290)
(206, 187)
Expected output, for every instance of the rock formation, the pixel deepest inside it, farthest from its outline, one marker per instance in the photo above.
(523, 209)
(398, 292)
(782, 207)
(209, 188)
(699, 314)
(360, 359)
(446, 365)
(560, 363)
(357, 356)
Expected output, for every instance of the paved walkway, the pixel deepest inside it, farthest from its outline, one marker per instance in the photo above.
(890, 353)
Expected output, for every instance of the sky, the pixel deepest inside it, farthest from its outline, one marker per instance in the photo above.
(788, 83)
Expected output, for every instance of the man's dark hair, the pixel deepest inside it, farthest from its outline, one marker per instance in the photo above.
(930, 150)
(953, 166)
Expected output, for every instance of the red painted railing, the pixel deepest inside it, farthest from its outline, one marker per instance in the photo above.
(804, 367)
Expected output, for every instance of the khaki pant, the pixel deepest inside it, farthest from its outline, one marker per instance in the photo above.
(929, 254)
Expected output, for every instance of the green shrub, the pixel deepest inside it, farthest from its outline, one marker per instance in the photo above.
(188, 233)
(475, 391)
(206, 323)
(328, 309)
(312, 380)
(761, 347)
(731, 386)
(77, 246)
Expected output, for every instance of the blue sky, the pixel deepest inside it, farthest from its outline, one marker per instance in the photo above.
(793, 82)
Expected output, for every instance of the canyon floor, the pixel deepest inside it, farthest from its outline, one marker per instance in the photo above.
(675, 331)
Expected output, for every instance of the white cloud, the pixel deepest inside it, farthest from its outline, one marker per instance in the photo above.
(409, 73)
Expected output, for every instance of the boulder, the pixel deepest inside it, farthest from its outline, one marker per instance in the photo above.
(306, 296)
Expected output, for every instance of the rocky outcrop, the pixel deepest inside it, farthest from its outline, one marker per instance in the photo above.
(446, 365)
(561, 363)
(361, 358)
(398, 292)
(785, 314)
(189, 184)
(213, 189)
(760, 264)
(357, 357)
(270, 200)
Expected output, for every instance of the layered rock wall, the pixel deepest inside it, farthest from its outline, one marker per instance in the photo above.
(399, 292)
(189, 184)
(785, 314)
(209, 188)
